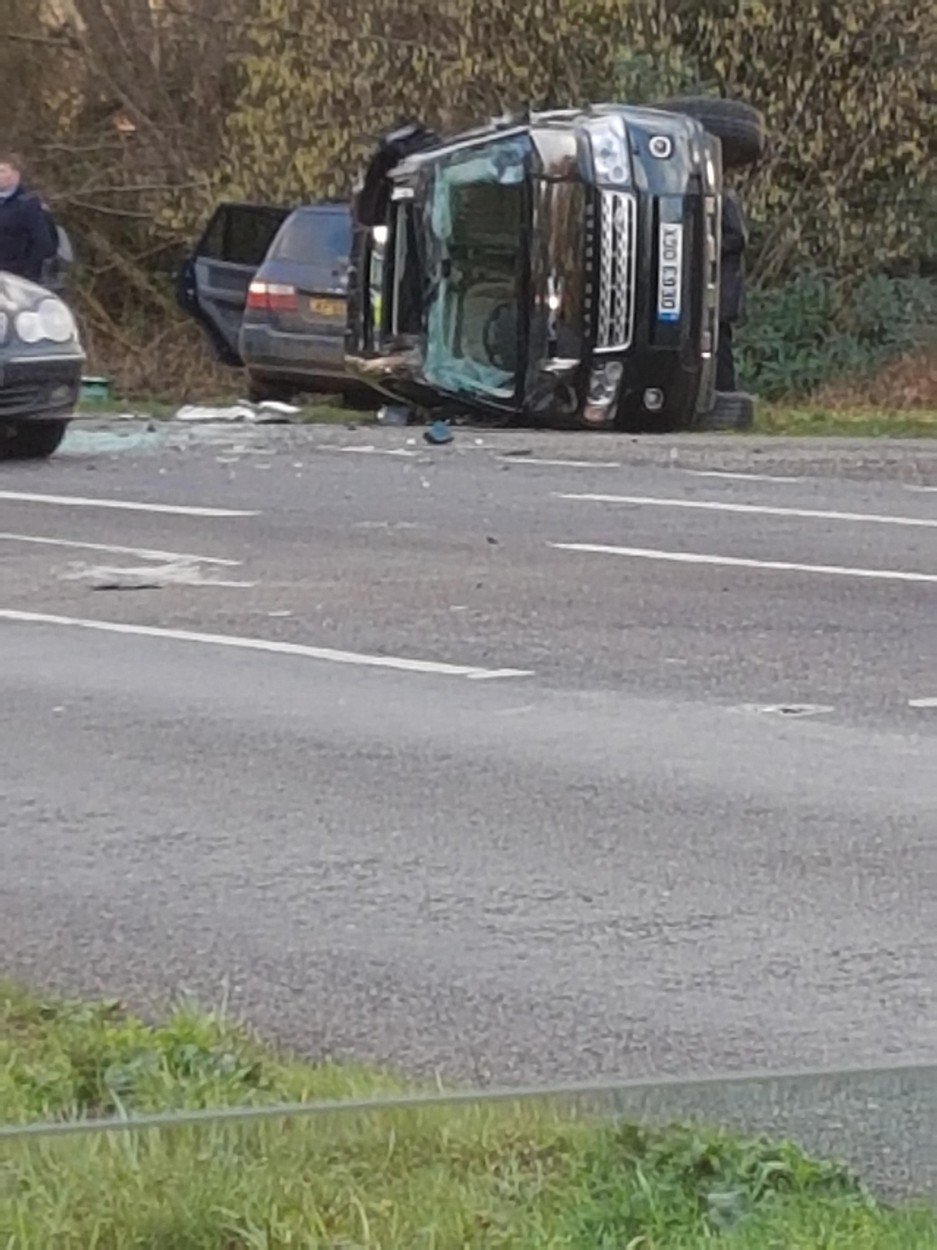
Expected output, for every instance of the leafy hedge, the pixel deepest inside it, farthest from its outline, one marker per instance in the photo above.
(138, 116)
(814, 329)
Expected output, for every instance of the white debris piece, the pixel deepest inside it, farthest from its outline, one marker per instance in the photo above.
(270, 412)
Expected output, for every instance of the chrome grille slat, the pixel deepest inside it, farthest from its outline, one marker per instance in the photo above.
(617, 257)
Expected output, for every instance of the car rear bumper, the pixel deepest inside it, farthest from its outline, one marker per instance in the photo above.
(302, 356)
(41, 386)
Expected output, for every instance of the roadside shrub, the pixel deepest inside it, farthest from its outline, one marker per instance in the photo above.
(813, 330)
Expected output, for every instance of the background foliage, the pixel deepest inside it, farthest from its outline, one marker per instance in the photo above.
(137, 115)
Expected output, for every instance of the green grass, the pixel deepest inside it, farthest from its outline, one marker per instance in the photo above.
(851, 422)
(518, 1175)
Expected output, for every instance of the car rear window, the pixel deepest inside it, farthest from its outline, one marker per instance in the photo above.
(314, 238)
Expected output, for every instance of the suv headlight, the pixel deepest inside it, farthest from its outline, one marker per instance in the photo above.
(608, 139)
(51, 322)
(602, 398)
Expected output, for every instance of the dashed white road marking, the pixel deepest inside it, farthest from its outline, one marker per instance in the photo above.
(778, 566)
(126, 505)
(398, 663)
(742, 477)
(380, 451)
(145, 553)
(923, 703)
(715, 505)
(561, 464)
(924, 490)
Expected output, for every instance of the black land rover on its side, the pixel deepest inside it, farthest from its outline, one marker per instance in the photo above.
(561, 269)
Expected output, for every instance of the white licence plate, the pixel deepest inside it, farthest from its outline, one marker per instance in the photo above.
(670, 271)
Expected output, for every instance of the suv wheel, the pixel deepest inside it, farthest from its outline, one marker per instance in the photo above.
(732, 410)
(739, 126)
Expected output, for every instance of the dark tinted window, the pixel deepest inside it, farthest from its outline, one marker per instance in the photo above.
(241, 235)
(315, 238)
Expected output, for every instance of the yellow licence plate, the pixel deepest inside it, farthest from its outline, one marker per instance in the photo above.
(327, 307)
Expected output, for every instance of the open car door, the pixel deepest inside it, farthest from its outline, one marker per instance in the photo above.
(215, 277)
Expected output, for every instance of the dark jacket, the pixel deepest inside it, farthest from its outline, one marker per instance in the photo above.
(734, 243)
(25, 238)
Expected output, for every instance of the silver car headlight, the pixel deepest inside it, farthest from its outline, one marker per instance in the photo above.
(608, 139)
(50, 322)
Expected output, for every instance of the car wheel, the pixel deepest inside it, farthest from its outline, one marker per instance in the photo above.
(32, 440)
(733, 410)
(739, 126)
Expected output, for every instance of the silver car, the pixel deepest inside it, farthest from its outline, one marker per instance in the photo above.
(41, 361)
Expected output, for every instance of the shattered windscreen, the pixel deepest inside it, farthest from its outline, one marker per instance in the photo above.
(477, 226)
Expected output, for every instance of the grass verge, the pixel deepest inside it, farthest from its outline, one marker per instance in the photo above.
(519, 1176)
(800, 422)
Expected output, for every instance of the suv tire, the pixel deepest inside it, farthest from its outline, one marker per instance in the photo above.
(733, 410)
(739, 126)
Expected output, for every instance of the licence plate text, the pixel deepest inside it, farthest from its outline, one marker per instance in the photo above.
(327, 307)
(670, 272)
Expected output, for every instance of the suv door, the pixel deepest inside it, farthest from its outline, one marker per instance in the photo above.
(215, 277)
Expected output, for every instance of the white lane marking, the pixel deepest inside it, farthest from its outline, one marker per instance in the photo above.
(923, 703)
(79, 501)
(263, 644)
(561, 464)
(145, 553)
(742, 477)
(379, 451)
(715, 505)
(924, 490)
(784, 566)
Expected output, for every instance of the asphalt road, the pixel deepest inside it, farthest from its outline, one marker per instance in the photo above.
(516, 787)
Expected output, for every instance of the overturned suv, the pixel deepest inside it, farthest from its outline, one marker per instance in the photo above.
(562, 268)
(40, 369)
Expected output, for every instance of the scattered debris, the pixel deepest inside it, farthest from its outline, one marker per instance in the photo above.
(270, 412)
(149, 577)
(791, 709)
(492, 542)
(438, 433)
(393, 414)
(274, 412)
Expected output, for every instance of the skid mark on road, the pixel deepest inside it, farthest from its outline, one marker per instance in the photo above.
(327, 654)
(715, 505)
(776, 566)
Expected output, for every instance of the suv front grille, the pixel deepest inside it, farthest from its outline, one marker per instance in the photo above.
(617, 255)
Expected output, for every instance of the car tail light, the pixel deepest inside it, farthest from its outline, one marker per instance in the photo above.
(257, 296)
(272, 297)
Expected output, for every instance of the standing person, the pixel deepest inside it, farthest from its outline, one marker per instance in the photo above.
(732, 287)
(25, 237)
